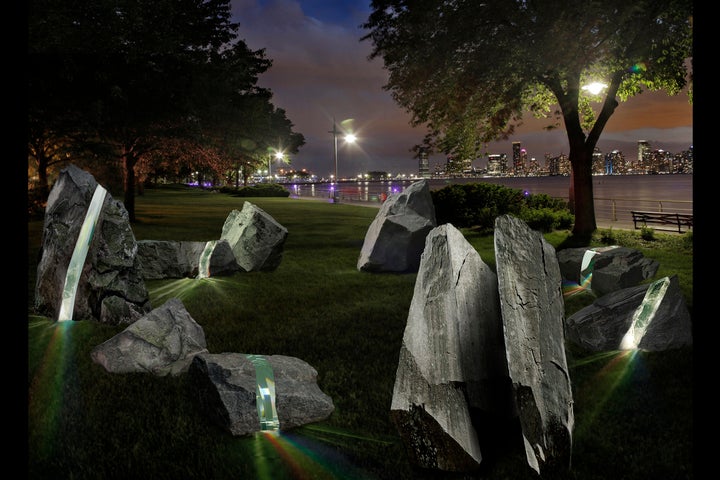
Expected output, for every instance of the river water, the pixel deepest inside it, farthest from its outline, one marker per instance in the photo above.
(615, 195)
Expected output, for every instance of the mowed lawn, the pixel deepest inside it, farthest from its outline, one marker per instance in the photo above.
(633, 411)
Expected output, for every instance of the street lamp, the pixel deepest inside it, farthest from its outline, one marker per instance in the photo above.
(350, 138)
(594, 88)
(278, 156)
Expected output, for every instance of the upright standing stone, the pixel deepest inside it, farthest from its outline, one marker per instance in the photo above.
(452, 360)
(531, 300)
(110, 287)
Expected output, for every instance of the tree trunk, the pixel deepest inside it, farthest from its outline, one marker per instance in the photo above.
(581, 192)
(42, 185)
(129, 162)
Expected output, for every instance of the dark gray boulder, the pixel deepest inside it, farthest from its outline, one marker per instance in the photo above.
(531, 301)
(651, 317)
(396, 237)
(162, 342)
(110, 286)
(182, 259)
(256, 238)
(605, 269)
(226, 388)
(452, 359)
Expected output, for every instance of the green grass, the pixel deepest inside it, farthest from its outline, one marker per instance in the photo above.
(633, 415)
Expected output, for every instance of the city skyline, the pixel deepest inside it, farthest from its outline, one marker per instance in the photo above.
(321, 71)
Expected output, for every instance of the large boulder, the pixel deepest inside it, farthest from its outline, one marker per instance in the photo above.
(605, 269)
(452, 359)
(396, 237)
(162, 342)
(652, 317)
(183, 259)
(101, 269)
(256, 239)
(227, 389)
(531, 301)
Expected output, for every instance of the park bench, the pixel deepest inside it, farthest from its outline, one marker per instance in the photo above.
(666, 220)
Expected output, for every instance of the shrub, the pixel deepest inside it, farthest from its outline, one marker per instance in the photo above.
(477, 205)
(607, 236)
(647, 233)
(261, 190)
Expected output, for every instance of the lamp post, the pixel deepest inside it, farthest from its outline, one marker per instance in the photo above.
(335, 132)
(278, 156)
(350, 138)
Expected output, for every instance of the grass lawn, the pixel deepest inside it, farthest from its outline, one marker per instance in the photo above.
(633, 411)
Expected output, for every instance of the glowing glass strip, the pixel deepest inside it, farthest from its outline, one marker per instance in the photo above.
(72, 277)
(204, 262)
(644, 314)
(588, 263)
(586, 268)
(265, 393)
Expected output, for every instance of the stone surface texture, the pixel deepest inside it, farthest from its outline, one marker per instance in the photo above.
(530, 288)
(110, 288)
(225, 384)
(395, 239)
(452, 358)
(162, 342)
(256, 238)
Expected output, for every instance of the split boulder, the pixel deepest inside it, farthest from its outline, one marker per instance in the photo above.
(452, 359)
(109, 283)
(226, 387)
(651, 317)
(531, 301)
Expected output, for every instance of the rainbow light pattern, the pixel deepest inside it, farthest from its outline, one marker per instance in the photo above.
(586, 271)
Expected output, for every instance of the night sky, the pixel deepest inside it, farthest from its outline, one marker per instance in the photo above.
(321, 70)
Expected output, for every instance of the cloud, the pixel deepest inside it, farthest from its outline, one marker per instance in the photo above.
(321, 70)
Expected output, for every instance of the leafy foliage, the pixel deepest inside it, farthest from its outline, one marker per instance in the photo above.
(259, 190)
(469, 70)
(126, 81)
(477, 205)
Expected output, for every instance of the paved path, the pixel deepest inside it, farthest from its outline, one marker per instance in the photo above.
(604, 223)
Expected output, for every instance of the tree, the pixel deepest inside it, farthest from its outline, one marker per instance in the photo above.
(131, 74)
(469, 70)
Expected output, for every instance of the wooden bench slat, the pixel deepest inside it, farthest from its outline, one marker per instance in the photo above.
(662, 218)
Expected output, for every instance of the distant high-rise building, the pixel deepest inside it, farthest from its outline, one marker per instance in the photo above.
(643, 148)
(559, 165)
(424, 167)
(517, 159)
(598, 166)
(615, 163)
(497, 164)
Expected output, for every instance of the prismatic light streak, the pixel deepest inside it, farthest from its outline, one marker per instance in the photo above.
(620, 365)
(308, 452)
(45, 401)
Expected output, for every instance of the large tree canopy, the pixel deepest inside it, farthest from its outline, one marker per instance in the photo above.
(469, 70)
(131, 77)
